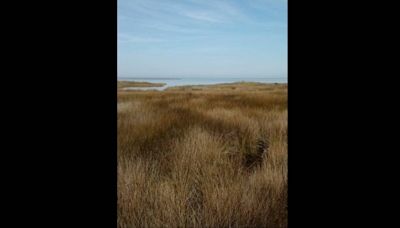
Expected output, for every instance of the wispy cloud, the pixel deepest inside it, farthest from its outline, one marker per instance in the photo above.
(194, 33)
(125, 38)
(220, 6)
(169, 27)
(215, 11)
(203, 16)
(268, 5)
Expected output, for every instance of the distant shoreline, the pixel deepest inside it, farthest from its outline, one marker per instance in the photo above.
(232, 86)
(122, 79)
(160, 84)
(198, 77)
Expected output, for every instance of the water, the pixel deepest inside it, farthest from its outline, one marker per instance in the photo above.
(170, 82)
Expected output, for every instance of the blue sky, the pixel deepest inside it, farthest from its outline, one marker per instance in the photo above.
(164, 38)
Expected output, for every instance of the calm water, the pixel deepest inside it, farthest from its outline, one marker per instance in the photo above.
(170, 82)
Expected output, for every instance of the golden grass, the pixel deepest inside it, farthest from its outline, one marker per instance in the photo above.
(124, 84)
(191, 158)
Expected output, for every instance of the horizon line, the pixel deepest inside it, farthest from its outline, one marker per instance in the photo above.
(185, 76)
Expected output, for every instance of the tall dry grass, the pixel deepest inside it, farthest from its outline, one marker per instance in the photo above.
(212, 157)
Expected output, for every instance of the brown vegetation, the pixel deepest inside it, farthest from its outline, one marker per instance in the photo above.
(125, 84)
(213, 156)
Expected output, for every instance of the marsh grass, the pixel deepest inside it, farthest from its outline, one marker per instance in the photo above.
(209, 157)
(124, 84)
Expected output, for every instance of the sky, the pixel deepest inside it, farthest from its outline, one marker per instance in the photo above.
(202, 38)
